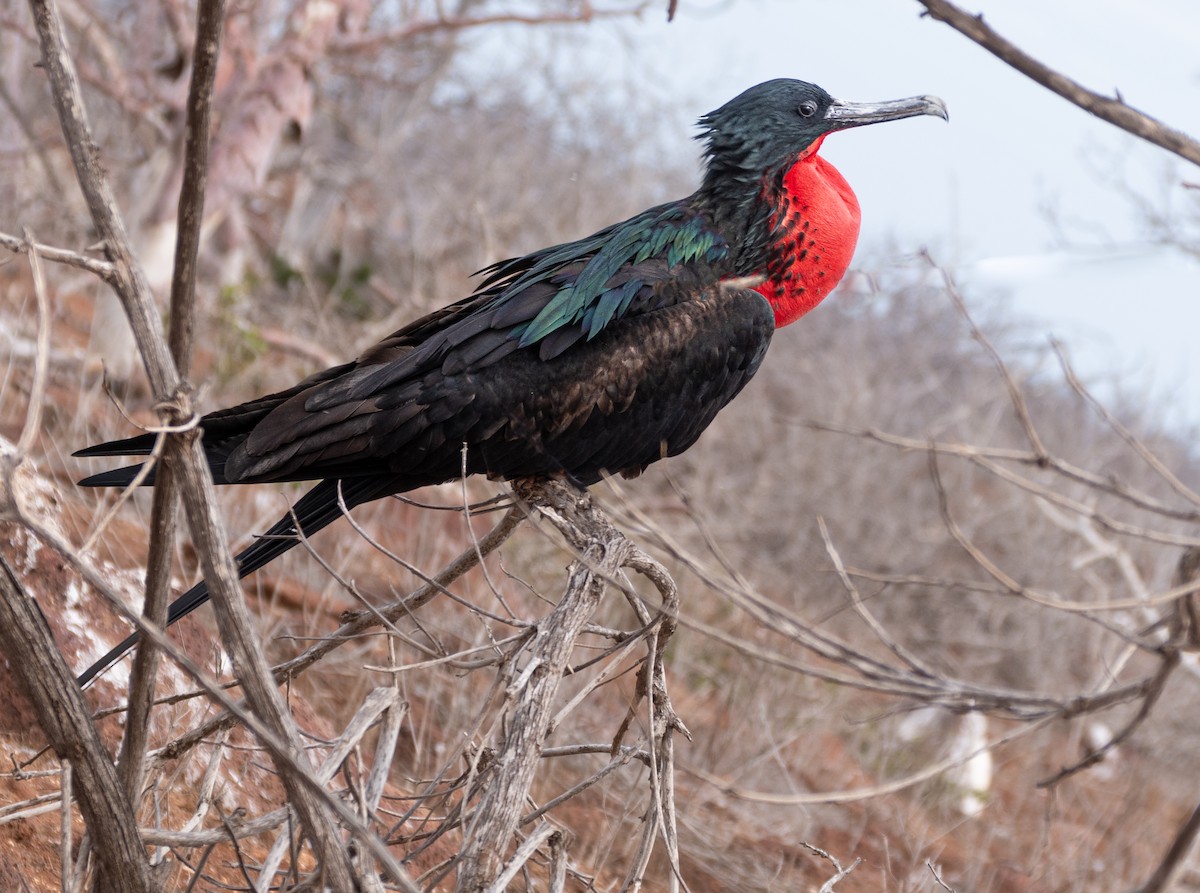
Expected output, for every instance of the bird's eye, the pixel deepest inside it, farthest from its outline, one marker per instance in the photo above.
(807, 109)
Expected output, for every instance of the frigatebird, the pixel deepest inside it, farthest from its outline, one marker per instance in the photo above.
(601, 355)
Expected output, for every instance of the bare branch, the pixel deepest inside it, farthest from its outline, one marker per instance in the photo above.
(525, 851)
(210, 20)
(938, 877)
(1014, 391)
(1175, 861)
(50, 686)
(1144, 452)
(866, 793)
(100, 268)
(1050, 462)
(856, 599)
(583, 14)
(1153, 692)
(1113, 110)
(828, 886)
(602, 550)
(65, 828)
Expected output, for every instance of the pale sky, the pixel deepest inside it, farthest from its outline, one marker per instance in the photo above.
(976, 191)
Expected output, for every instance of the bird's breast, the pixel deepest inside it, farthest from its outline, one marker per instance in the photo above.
(814, 228)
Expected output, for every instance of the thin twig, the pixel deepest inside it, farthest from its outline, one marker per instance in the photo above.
(869, 792)
(1144, 452)
(524, 852)
(828, 886)
(385, 751)
(1153, 692)
(64, 841)
(1101, 483)
(1014, 391)
(856, 599)
(937, 877)
(626, 754)
(37, 390)
(448, 23)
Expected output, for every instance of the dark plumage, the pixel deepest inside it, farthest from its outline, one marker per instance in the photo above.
(599, 355)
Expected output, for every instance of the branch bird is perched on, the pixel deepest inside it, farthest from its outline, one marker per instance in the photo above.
(599, 355)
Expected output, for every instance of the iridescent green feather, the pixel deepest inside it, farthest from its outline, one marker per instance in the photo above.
(589, 300)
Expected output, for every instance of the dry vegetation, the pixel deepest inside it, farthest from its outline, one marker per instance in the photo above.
(891, 534)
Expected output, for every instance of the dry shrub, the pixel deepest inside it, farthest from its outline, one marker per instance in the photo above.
(405, 179)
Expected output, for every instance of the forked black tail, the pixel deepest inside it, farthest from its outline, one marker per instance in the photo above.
(316, 509)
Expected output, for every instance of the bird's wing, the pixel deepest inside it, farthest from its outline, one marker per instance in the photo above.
(657, 377)
(602, 287)
(350, 421)
(549, 299)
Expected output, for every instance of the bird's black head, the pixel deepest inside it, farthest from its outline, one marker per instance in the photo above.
(769, 126)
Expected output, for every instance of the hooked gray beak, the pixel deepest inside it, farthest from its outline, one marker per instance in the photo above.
(855, 114)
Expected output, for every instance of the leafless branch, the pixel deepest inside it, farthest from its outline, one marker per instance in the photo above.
(103, 269)
(63, 716)
(585, 12)
(870, 792)
(1113, 110)
(1175, 860)
(64, 833)
(1144, 452)
(937, 876)
(1057, 464)
(354, 626)
(828, 886)
(33, 806)
(1014, 391)
(622, 759)
(1158, 683)
(541, 834)
(860, 608)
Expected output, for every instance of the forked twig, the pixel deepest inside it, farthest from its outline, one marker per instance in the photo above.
(101, 268)
(1015, 396)
(1144, 452)
(828, 886)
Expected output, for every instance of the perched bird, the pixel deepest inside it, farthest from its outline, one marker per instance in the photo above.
(599, 355)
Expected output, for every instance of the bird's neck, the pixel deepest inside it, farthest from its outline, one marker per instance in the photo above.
(812, 231)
